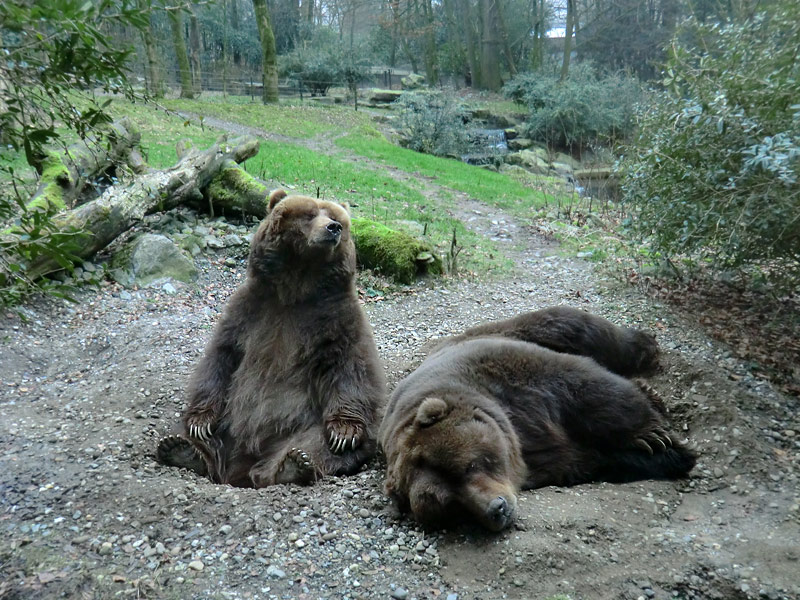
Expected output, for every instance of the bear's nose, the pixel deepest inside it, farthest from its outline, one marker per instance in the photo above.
(499, 511)
(334, 227)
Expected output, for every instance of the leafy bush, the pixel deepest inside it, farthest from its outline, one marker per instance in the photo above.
(584, 109)
(324, 64)
(433, 123)
(714, 172)
(315, 70)
(55, 56)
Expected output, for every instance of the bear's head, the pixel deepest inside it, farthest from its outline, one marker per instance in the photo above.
(456, 461)
(301, 235)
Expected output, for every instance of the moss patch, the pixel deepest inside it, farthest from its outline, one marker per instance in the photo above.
(233, 187)
(56, 177)
(393, 253)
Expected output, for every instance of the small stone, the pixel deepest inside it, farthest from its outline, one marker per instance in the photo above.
(105, 548)
(225, 529)
(400, 593)
(196, 565)
(293, 537)
(364, 513)
(273, 571)
(300, 543)
(277, 517)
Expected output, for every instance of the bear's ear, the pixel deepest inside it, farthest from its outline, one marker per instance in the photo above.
(345, 206)
(430, 411)
(275, 197)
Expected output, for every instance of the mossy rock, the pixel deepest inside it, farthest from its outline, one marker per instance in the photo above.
(395, 254)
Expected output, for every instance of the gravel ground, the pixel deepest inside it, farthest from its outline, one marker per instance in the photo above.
(86, 512)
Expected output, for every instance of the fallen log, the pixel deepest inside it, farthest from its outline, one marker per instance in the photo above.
(235, 191)
(65, 175)
(97, 223)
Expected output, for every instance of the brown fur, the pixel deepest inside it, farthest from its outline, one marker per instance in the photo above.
(290, 386)
(491, 412)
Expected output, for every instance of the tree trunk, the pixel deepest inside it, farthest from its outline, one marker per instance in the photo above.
(308, 9)
(454, 36)
(431, 61)
(154, 79)
(490, 46)
(101, 221)
(512, 68)
(236, 24)
(176, 25)
(64, 176)
(537, 52)
(269, 58)
(194, 52)
(395, 8)
(568, 40)
(470, 45)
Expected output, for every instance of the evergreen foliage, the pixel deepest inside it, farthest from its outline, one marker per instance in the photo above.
(584, 109)
(432, 123)
(713, 175)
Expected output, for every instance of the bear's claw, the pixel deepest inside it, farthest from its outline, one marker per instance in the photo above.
(658, 439)
(177, 451)
(296, 467)
(202, 432)
(344, 436)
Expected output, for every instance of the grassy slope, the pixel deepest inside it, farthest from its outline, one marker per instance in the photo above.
(406, 203)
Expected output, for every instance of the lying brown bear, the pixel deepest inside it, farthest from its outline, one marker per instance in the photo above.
(503, 407)
(290, 387)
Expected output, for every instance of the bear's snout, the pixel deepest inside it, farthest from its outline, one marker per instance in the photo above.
(335, 228)
(499, 513)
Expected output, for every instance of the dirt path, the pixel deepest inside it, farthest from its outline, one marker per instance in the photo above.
(87, 513)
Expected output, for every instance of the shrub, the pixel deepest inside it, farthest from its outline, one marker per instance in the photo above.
(714, 172)
(432, 123)
(584, 109)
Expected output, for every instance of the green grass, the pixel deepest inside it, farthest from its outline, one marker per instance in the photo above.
(374, 195)
(494, 189)
(161, 131)
(299, 120)
(502, 107)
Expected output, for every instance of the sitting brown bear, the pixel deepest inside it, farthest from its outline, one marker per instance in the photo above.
(290, 387)
(493, 411)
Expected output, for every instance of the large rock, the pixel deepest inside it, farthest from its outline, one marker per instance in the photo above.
(519, 143)
(149, 258)
(530, 160)
(566, 159)
(412, 81)
(377, 96)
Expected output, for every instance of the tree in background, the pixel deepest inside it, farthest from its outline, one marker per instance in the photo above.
(490, 78)
(269, 56)
(185, 71)
(154, 78)
(627, 34)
